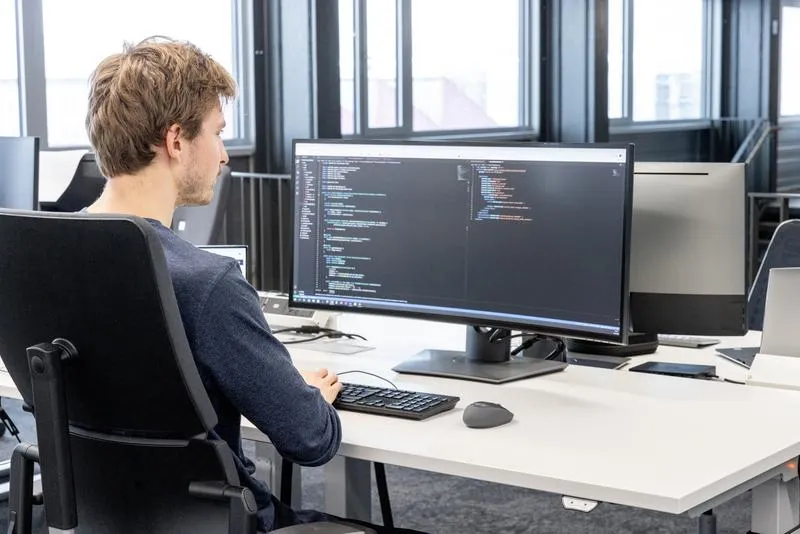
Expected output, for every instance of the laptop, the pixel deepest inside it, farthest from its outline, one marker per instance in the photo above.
(780, 320)
(237, 252)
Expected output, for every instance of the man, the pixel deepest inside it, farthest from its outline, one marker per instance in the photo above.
(155, 122)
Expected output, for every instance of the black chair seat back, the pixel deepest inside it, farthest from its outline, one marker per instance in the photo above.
(101, 283)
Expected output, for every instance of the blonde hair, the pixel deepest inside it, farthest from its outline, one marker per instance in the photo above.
(137, 95)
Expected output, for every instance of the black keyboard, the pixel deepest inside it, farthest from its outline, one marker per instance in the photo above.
(392, 402)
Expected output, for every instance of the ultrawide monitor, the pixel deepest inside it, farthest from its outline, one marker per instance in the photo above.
(531, 237)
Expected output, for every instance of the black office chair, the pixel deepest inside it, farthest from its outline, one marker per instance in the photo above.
(86, 185)
(202, 225)
(783, 251)
(91, 335)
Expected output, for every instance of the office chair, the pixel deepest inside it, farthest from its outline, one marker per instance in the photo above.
(86, 185)
(202, 225)
(783, 251)
(91, 334)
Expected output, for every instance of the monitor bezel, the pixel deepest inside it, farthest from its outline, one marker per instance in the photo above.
(450, 317)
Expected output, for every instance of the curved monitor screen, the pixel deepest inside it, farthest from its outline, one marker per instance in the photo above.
(525, 236)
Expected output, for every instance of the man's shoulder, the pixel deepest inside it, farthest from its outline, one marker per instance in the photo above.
(192, 266)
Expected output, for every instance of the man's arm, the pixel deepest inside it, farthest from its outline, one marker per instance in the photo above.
(255, 372)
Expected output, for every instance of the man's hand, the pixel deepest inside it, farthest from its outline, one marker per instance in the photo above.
(326, 382)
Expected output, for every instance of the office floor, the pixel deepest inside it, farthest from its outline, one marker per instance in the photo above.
(448, 505)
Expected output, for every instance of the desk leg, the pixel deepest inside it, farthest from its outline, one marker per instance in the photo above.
(268, 469)
(348, 488)
(775, 507)
(707, 523)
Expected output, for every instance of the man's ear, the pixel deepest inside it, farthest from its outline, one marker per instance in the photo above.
(174, 142)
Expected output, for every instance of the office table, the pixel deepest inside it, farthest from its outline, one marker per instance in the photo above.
(592, 435)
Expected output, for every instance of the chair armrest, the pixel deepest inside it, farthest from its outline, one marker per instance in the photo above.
(323, 528)
(243, 518)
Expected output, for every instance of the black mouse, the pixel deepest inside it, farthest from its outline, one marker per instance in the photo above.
(484, 414)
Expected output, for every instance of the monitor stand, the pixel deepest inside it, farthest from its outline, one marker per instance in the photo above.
(487, 359)
(638, 344)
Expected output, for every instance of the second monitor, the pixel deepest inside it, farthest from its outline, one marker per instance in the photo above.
(499, 237)
(688, 254)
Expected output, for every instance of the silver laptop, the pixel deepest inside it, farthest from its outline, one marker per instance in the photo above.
(781, 314)
(237, 252)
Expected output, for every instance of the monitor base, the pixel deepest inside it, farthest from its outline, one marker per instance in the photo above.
(638, 344)
(455, 364)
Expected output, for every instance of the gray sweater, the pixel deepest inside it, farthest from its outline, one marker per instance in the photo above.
(245, 370)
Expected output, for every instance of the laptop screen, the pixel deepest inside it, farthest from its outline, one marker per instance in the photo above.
(237, 252)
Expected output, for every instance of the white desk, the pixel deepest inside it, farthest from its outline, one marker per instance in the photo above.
(653, 442)
(660, 443)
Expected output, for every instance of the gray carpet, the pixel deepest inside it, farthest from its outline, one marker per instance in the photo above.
(449, 505)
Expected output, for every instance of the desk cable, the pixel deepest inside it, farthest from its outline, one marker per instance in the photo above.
(321, 332)
(370, 374)
(535, 338)
(721, 379)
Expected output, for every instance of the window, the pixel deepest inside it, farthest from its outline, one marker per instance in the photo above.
(382, 87)
(74, 43)
(466, 64)
(656, 74)
(9, 81)
(347, 68)
(790, 77)
(616, 59)
(435, 66)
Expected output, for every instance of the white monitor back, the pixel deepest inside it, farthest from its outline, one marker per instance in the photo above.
(689, 230)
(688, 242)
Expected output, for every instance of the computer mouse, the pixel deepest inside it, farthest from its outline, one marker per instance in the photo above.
(484, 414)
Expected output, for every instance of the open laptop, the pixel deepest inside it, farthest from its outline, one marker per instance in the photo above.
(237, 252)
(777, 337)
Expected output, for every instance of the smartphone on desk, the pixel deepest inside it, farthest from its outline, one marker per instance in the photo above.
(685, 370)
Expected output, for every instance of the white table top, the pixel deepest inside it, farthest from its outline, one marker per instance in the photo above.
(647, 441)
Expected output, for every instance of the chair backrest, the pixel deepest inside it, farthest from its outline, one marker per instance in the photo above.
(101, 283)
(783, 251)
(202, 225)
(137, 410)
(86, 185)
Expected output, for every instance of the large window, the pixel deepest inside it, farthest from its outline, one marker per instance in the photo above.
(790, 75)
(80, 33)
(658, 60)
(434, 66)
(9, 82)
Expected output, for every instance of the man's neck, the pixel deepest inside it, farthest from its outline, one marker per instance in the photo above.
(146, 194)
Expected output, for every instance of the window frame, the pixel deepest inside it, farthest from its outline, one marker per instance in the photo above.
(710, 70)
(18, 53)
(33, 89)
(794, 117)
(529, 80)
